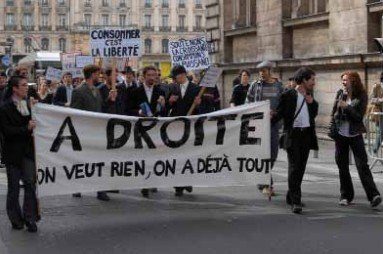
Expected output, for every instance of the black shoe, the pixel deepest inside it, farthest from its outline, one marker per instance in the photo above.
(17, 226)
(102, 196)
(189, 189)
(297, 209)
(31, 227)
(145, 193)
(376, 201)
(154, 190)
(289, 202)
(76, 195)
(179, 192)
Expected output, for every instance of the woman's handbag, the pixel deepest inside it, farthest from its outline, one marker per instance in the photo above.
(286, 140)
(333, 130)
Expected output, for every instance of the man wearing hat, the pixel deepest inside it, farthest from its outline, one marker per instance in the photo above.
(182, 95)
(124, 101)
(267, 88)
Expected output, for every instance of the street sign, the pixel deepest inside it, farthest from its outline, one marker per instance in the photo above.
(6, 60)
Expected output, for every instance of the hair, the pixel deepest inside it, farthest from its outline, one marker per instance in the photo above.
(244, 70)
(291, 79)
(12, 82)
(357, 86)
(19, 69)
(89, 70)
(148, 68)
(67, 74)
(303, 74)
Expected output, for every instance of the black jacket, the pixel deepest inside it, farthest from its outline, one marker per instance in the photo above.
(353, 113)
(108, 106)
(61, 97)
(139, 97)
(286, 111)
(182, 106)
(18, 142)
(124, 101)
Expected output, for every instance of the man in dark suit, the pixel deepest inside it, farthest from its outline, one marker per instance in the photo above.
(298, 110)
(87, 97)
(148, 100)
(149, 93)
(182, 95)
(64, 92)
(18, 154)
(124, 101)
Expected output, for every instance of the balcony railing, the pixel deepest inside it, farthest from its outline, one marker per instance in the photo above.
(27, 2)
(62, 28)
(165, 28)
(182, 29)
(27, 27)
(11, 27)
(45, 28)
(148, 28)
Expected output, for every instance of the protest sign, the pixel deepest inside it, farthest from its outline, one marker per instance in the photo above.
(81, 151)
(211, 77)
(68, 62)
(193, 54)
(53, 74)
(120, 63)
(82, 61)
(117, 43)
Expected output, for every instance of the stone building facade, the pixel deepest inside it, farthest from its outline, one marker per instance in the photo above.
(329, 36)
(63, 25)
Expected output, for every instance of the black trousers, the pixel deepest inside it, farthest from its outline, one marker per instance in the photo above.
(27, 173)
(342, 146)
(297, 156)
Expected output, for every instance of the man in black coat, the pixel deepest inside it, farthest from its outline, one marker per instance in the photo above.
(182, 95)
(18, 154)
(64, 92)
(124, 101)
(108, 93)
(149, 93)
(298, 110)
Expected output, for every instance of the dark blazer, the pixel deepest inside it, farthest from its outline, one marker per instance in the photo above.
(18, 142)
(124, 101)
(286, 112)
(83, 99)
(139, 97)
(108, 106)
(353, 113)
(61, 97)
(182, 106)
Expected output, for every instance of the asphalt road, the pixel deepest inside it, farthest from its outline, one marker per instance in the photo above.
(211, 220)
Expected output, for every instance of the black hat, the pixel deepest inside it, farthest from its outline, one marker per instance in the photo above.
(177, 70)
(128, 69)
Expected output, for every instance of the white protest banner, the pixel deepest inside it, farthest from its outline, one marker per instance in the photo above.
(210, 79)
(81, 151)
(68, 62)
(117, 43)
(53, 74)
(193, 54)
(82, 61)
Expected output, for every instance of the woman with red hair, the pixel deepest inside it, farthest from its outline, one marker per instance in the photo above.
(347, 122)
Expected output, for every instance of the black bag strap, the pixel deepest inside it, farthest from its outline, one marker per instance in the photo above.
(300, 109)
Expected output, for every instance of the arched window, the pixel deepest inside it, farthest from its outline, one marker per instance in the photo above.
(165, 46)
(62, 44)
(44, 43)
(28, 45)
(148, 46)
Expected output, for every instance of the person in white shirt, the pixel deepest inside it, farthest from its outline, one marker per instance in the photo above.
(298, 110)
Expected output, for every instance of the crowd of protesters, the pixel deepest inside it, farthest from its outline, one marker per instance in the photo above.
(144, 94)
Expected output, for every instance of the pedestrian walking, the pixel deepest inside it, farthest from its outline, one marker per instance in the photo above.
(298, 109)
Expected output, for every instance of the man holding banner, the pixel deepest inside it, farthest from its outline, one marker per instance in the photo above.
(183, 94)
(87, 97)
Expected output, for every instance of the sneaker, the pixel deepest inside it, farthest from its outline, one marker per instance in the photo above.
(344, 202)
(376, 201)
